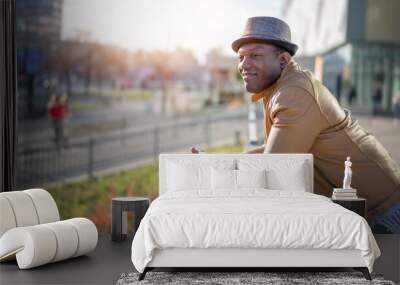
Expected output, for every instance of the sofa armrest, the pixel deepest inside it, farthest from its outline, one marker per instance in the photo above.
(32, 246)
(40, 244)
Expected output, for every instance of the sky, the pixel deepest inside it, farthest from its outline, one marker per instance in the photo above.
(199, 25)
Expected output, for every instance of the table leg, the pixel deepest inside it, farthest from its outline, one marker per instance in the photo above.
(124, 226)
(116, 221)
(140, 211)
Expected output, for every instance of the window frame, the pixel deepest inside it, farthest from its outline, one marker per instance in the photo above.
(8, 96)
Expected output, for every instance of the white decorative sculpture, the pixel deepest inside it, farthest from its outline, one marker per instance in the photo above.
(347, 174)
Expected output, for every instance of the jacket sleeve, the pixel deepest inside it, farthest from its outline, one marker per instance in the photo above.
(296, 121)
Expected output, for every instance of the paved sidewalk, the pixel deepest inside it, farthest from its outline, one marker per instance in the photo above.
(385, 130)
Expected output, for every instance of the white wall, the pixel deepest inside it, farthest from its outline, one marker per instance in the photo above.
(316, 25)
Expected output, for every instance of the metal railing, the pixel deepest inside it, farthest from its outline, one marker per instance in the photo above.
(41, 164)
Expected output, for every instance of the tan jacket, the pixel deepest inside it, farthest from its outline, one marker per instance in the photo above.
(302, 116)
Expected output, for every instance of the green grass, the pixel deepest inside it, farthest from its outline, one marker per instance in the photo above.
(79, 106)
(92, 198)
(87, 129)
(226, 149)
(131, 94)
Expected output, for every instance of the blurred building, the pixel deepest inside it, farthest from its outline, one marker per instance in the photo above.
(38, 33)
(224, 85)
(355, 45)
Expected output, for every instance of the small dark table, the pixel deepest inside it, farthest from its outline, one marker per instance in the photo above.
(120, 206)
(357, 205)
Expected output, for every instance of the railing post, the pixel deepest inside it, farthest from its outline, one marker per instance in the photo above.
(237, 138)
(123, 130)
(207, 130)
(90, 153)
(176, 128)
(156, 142)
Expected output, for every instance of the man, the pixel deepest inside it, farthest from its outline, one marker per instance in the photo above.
(302, 116)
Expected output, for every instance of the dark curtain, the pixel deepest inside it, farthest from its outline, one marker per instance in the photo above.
(8, 94)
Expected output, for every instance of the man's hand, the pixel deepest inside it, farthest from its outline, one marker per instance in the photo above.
(260, 149)
(256, 150)
(196, 150)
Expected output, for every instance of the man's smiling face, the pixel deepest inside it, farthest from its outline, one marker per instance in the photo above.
(259, 65)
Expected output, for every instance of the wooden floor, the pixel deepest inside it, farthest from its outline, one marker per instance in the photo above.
(111, 259)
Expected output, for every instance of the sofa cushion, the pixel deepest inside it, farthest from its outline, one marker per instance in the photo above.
(67, 240)
(32, 246)
(7, 220)
(23, 208)
(26, 208)
(45, 205)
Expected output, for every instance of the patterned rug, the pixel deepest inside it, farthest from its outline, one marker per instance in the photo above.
(273, 278)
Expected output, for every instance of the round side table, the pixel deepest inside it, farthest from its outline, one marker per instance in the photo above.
(119, 208)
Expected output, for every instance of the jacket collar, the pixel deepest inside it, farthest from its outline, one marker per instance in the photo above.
(292, 65)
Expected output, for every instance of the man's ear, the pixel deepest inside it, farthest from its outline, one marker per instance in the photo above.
(284, 58)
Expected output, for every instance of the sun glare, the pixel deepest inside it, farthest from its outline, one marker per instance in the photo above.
(160, 24)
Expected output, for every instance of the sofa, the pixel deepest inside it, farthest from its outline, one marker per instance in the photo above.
(31, 231)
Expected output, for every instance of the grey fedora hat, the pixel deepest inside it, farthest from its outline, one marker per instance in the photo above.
(266, 29)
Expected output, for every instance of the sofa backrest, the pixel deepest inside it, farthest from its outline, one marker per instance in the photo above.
(26, 208)
(282, 166)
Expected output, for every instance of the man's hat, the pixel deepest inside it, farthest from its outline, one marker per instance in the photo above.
(266, 29)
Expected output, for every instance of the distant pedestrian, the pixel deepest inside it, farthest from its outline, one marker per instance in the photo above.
(377, 93)
(351, 96)
(396, 108)
(376, 100)
(57, 110)
(339, 80)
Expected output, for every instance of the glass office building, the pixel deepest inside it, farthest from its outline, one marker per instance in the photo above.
(38, 36)
(358, 44)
